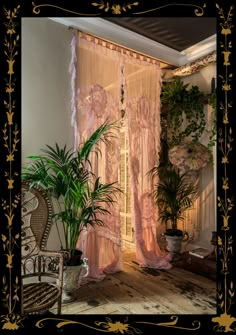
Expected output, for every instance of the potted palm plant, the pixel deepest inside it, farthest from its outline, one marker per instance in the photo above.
(173, 194)
(78, 195)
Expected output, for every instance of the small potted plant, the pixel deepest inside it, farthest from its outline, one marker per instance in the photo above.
(77, 193)
(173, 194)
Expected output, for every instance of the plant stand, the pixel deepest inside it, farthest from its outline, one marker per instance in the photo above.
(72, 277)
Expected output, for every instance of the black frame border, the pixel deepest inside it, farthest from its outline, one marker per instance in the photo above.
(10, 167)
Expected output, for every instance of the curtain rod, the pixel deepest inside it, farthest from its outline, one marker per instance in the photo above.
(121, 47)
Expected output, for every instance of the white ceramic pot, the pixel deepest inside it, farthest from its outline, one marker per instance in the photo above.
(174, 244)
(72, 277)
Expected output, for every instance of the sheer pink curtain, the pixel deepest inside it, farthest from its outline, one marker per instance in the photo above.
(101, 69)
(97, 98)
(143, 112)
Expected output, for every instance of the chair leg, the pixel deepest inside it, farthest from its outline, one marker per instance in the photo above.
(59, 305)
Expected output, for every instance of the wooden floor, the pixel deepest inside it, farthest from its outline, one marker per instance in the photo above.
(139, 291)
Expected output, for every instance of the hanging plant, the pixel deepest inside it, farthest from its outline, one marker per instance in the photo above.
(184, 105)
(213, 131)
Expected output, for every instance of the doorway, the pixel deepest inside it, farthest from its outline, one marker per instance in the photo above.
(127, 225)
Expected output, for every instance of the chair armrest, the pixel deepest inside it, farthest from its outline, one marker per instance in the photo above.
(51, 253)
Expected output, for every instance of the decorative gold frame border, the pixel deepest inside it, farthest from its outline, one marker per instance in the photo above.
(10, 317)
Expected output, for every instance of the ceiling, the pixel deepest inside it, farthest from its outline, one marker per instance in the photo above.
(175, 41)
(178, 33)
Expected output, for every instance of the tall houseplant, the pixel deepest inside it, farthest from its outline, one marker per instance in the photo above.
(81, 198)
(173, 193)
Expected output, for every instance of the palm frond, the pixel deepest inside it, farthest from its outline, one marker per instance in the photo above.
(173, 194)
(69, 178)
(102, 134)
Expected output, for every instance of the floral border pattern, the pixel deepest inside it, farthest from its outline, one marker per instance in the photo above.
(10, 202)
(117, 9)
(188, 69)
(115, 327)
(11, 142)
(225, 200)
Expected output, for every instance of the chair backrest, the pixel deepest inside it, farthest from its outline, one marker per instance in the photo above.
(36, 219)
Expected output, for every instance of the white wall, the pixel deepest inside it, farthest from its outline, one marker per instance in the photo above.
(45, 85)
(202, 78)
(46, 93)
(206, 220)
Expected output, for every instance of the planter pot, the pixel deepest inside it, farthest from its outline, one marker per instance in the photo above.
(72, 277)
(174, 244)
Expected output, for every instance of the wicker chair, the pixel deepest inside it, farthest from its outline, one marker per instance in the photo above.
(41, 286)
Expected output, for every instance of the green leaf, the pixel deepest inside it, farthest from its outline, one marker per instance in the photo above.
(69, 179)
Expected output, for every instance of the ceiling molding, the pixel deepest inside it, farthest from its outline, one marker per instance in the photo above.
(132, 40)
(201, 49)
